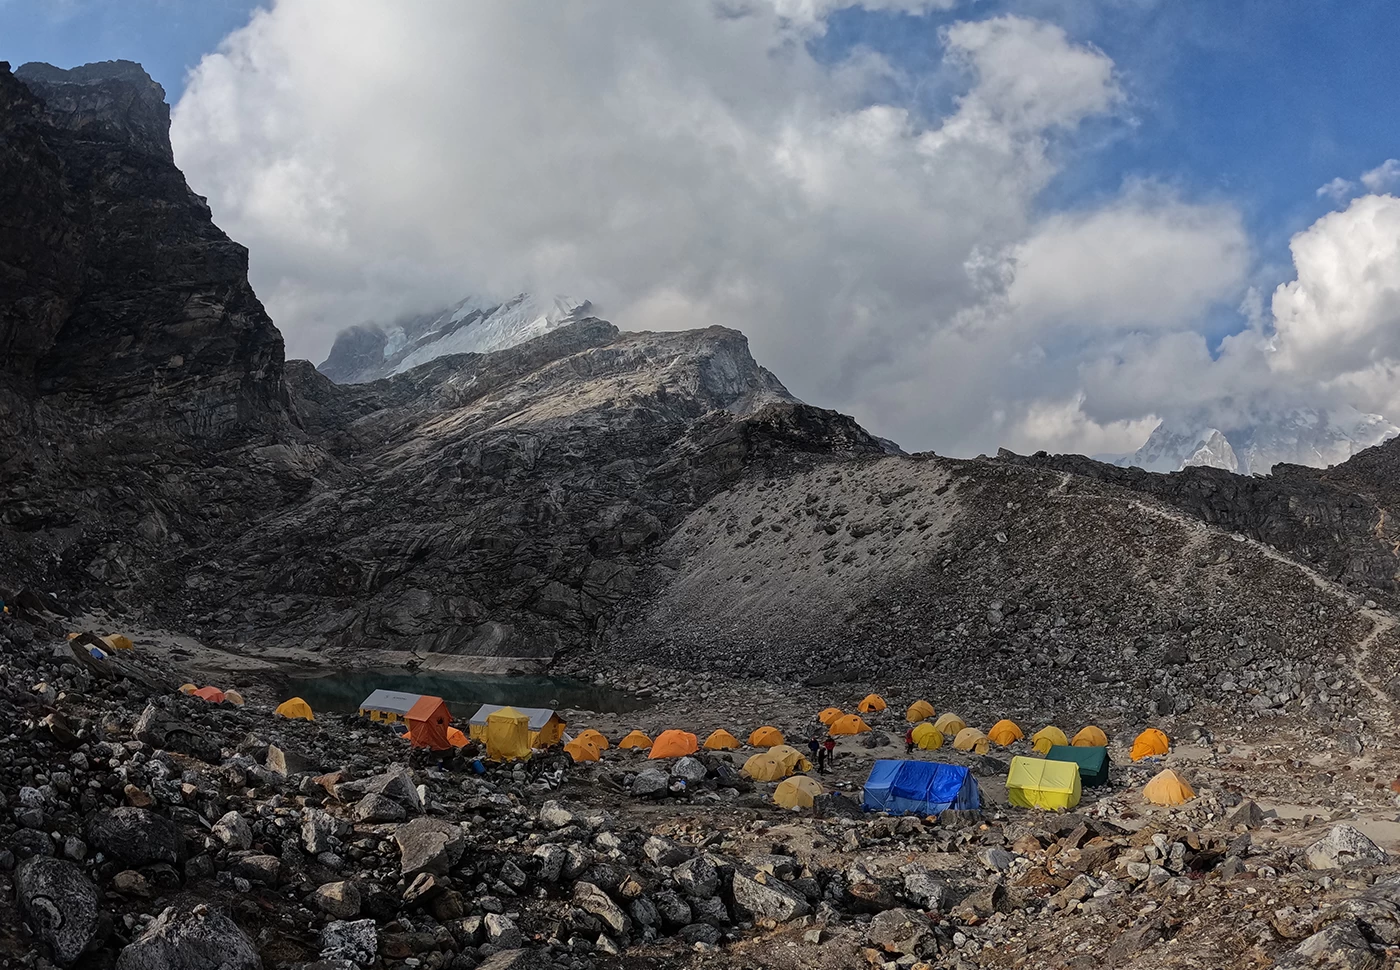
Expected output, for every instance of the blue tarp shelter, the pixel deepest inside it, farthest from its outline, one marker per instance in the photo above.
(922, 787)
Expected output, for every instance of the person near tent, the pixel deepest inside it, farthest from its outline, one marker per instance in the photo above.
(821, 759)
(909, 740)
(814, 744)
(829, 746)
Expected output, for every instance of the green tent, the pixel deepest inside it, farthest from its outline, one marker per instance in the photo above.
(1092, 762)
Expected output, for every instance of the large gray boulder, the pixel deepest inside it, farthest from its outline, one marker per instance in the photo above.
(355, 942)
(1343, 845)
(591, 899)
(428, 845)
(233, 831)
(651, 783)
(136, 836)
(191, 936)
(767, 900)
(340, 900)
(395, 783)
(900, 931)
(61, 905)
(1341, 946)
(698, 877)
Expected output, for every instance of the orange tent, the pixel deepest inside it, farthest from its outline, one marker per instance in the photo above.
(848, 724)
(1150, 742)
(594, 737)
(674, 744)
(871, 703)
(1167, 788)
(211, 694)
(766, 737)
(829, 715)
(1090, 737)
(722, 740)
(582, 749)
(427, 721)
(456, 738)
(1006, 732)
(634, 741)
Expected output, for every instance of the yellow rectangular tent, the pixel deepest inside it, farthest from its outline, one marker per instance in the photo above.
(1036, 783)
(507, 735)
(546, 727)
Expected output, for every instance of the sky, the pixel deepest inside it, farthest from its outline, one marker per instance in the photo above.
(970, 223)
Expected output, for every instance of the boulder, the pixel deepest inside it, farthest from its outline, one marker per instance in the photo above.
(650, 783)
(555, 816)
(550, 859)
(1343, 845)
(340, 900)
(136, 836)
(375, 807)
(62, 907)
(767, 900)
(591, 899)
(354, 942)
(698, 877)
(1341, 946)
(900, 931)
(233, 831)
(692, 770)
(395, 783)
(191, 936)
(1246, 813)
(319, 829)
(257, 867)
(502, 932)
(664, 852)
(673, 910)
(926, 890)
(428, 845)
(284, 762)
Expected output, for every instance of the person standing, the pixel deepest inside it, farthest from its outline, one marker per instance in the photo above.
(829, 746)
(814, 744)
(821, 760)
(909, 741)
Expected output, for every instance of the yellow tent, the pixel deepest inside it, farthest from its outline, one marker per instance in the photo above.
(829, 715)
(919, 711)
(295, 707)
(949, 724)
(722, 740)
(634, 742)
(594, 737)
(765, 766)
(848, 724)
(798, 792)
(927, 737)
(118, 642)
(1047, 738)
(1005, 732)
(1090, 737)
(1167, 788)
(188, 688)
(1038, 783)
(871, 703)
(507, 735)
(233, 697)
(766, 737)
(971, 739)
(582, 749)
(793, 760)
(1149, 743)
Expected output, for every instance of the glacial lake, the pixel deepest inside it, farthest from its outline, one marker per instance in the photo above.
(342, 692)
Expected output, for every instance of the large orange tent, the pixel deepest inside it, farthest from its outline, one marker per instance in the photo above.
(674, 744)
(634, 741)
(211, 694)
(582, 749)
(427, 723)
(919, 711)
(721, 740)
(871, 703)
(1167, 788)
(766, 737)
(829, 715)
(848, 724)
(1006, 732)
(594, 737)
(1090, 737)
(1149, 743)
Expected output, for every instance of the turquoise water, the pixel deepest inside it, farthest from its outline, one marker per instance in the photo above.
(342, 692)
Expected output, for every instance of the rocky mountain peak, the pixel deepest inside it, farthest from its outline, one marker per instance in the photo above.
(114, 100)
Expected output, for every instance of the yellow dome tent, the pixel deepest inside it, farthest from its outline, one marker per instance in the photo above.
(674, 744)
(507, 735)
(792, 759)
(871, 703)
(721, 740)
(118, 642)
(918, 711)
(798, 792)
(765, 766)
(971, 739)
(1090, 737)
(766, 737)
(949, 724)
(582, 749)
(188, 688)
(829, 715)
(1006, 732)
(294, 708)
(848, 724)
(1150, 743)
(634, 741)
(927, 737)
(233, 697)
(594, 737)
(1047, 738)
(1167, 788)
(1040, 783)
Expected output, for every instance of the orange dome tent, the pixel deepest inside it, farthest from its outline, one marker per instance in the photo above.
(582, 749)
(721, 740)
(594, 737)
(456, 738)
(766, 737)
(848, 724)
(829, 715)
(1090, 737)
(634, 741)
(1005, 732)
(295, 707)
(1167, 788)
(211, 694)
(1047, 738)
(674, 744)
(919, 711)
(1149, 743)
(792, 759)
(188, 688)
(871, 703)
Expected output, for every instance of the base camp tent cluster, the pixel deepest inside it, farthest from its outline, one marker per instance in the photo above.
(212, 694)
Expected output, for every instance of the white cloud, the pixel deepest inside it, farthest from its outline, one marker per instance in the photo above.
(1338, 190)
(1383, 176)
(686, 164)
